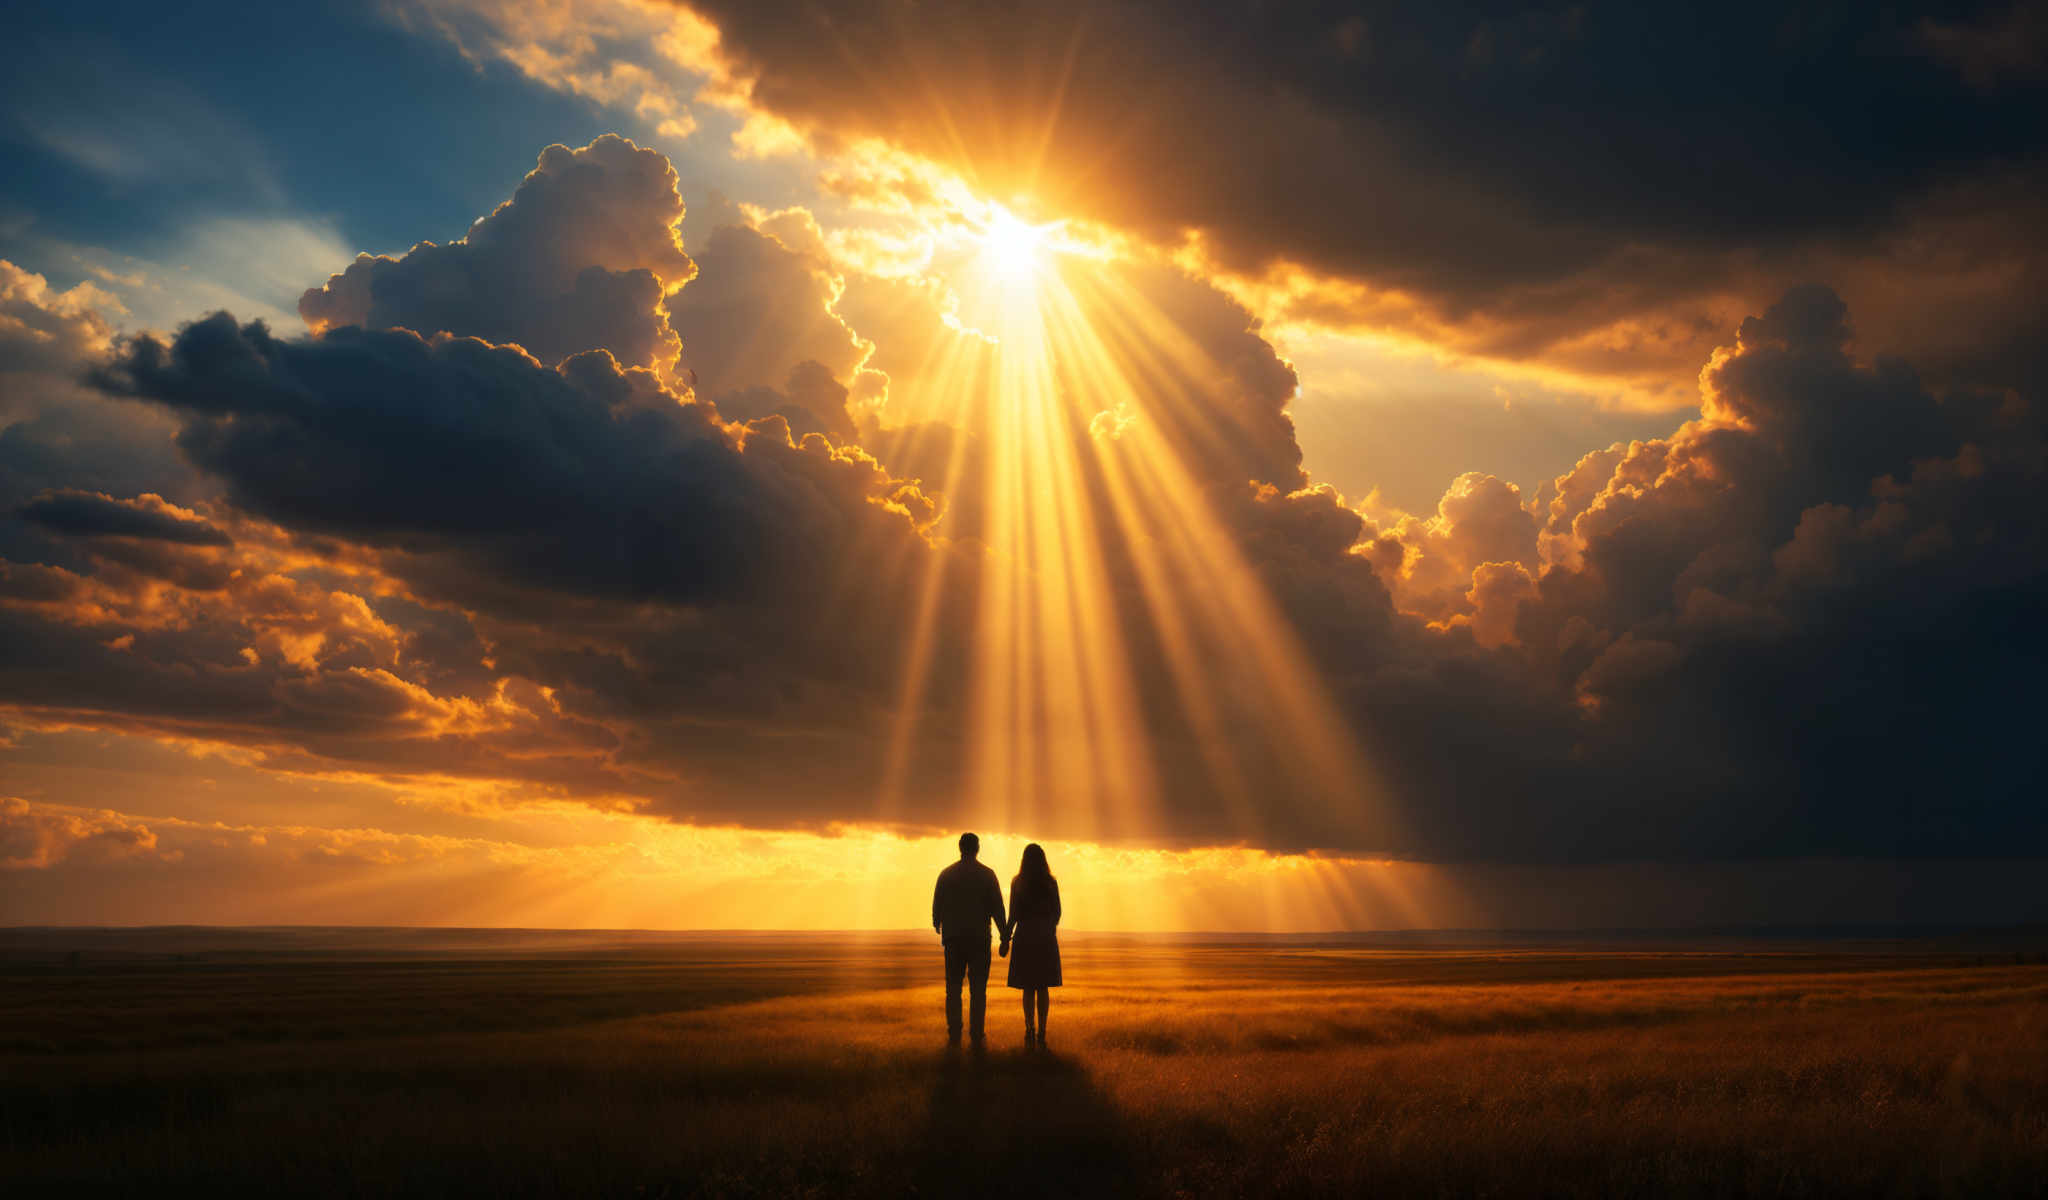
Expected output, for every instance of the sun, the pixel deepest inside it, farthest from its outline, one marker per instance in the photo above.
(1012, 247)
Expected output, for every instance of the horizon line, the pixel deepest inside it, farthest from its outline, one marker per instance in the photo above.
(1839, 928)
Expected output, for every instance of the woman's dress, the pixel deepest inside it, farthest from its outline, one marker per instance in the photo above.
(1034, 946)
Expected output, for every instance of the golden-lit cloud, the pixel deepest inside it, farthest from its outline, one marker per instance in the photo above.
(43, 325)
(34, 837)
(578, 47)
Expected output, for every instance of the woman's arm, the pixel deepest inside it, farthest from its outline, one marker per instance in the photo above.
(1055, 901)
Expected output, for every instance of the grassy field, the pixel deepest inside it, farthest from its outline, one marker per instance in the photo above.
(378, 1063)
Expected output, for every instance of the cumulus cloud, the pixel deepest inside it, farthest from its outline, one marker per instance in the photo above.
(759, 309)
(760, 334)
(578, 259)
(1481, 521)
(1790, 421)
(1792, 608)
(42, 327)
(591, 478)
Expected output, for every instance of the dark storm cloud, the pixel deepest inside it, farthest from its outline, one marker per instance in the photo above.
(1530, 176)
(1811, 619)
(592, 479)
(89, 514)
(1805, 624)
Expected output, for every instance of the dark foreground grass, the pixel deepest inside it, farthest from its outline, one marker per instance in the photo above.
(814, 1066)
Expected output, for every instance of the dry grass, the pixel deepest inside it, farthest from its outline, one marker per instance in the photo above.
(780, 1069)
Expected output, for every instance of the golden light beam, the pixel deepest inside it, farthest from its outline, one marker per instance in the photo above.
(1060, 730)
(1234, 616)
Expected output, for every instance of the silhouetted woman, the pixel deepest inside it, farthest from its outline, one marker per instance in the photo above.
(1034, 945)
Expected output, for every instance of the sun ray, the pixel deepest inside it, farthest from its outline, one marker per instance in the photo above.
(1124, 656)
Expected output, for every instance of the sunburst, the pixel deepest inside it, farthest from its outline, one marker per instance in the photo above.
(1012, 248)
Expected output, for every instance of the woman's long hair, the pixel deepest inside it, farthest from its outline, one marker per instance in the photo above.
(1033, 871)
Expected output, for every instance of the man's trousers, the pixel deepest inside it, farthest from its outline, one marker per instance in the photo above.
(969, 960)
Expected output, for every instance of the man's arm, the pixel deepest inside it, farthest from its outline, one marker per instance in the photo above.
(938, 890)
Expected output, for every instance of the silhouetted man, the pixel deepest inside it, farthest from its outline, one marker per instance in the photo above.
(966, 899)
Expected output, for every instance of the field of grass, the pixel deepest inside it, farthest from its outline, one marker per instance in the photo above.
(392, 1062)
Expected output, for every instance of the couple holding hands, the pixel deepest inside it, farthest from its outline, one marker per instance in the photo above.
(966, 899)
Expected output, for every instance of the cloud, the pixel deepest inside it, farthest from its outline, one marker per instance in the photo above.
(1598, 191)
(590, 479)
(1990, 49)
(54, 433)
(1480, 521)
(812, 401)
(252, 264)
(149, 518)
(759, 317)
(36, 838)
(43, 328)
(631, 55)
(1805, 608)
(578, 259)
(285, 674)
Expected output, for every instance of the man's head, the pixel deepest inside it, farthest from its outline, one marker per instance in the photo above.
(969, 845)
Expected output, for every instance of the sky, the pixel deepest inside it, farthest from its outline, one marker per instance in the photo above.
(621, 463)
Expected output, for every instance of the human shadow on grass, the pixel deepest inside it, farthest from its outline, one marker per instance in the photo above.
(1027, 1123)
